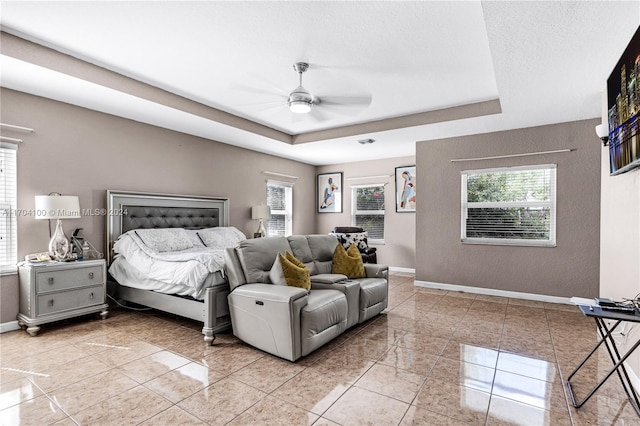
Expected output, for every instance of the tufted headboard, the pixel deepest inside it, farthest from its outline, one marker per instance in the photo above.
(135, 210)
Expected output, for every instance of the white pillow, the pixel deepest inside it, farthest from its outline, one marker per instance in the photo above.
(221, 237)
(165, 239)
(195, 239)
(276, 275)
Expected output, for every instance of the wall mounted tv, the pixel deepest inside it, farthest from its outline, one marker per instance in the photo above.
(623, 93)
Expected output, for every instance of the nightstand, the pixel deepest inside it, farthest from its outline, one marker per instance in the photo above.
(56, 291)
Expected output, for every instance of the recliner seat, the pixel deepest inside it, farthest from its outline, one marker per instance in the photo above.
(290, 322)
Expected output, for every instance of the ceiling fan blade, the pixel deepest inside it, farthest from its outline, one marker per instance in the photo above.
(317, 114)
(347, 101)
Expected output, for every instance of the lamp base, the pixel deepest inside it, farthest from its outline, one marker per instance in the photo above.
(59, 246)
(261, 231)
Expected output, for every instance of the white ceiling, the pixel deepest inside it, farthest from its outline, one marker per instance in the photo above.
(546, 62)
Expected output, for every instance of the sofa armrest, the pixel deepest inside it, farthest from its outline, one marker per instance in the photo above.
(376, 270)
(270, 292)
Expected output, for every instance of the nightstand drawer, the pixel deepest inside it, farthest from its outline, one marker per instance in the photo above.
(65, 300)
(69, 278)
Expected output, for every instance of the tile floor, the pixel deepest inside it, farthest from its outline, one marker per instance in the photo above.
(434, 358)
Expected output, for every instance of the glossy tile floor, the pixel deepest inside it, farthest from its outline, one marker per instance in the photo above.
(434, 358)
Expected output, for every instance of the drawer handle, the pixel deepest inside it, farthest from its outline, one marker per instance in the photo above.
(90, 275)
(50, 280)
(51, 302)
(91, 295)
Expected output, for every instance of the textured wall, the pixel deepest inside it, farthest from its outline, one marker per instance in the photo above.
(570, 269)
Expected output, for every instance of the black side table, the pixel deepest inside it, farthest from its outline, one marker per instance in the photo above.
(600, 315)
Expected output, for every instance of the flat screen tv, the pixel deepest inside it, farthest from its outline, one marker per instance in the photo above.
(623, 93)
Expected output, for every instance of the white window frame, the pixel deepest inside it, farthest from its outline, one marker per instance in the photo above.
(551, 204)
(355, 212)
(288, 202)
(8, 209)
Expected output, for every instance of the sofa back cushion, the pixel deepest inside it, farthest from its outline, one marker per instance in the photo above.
(301, 250)
(322, 248)
(257, 256)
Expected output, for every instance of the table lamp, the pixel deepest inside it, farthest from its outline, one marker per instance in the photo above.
(260, 212)
(56, 206)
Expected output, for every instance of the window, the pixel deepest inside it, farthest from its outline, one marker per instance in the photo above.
(367, 210)
(280, 200)
(8, 222)
(510, 206)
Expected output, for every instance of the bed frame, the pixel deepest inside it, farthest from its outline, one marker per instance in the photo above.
(134, 210)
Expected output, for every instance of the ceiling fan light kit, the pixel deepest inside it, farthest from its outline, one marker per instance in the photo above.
(300, 100)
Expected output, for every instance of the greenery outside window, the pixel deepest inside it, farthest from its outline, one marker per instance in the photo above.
(280, 200)
(509, 206)
(367, 210)
(8, 199)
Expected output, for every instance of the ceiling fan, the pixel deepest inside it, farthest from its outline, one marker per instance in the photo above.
(302, 101)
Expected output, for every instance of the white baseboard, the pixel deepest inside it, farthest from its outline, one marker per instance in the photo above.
(633, 377)
(404, 270)
(9, 326)
(493, 292)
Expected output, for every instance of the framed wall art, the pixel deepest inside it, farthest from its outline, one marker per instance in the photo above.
(329, 192)
(406, 189)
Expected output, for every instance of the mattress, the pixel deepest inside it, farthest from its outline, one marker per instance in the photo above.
(125, 274)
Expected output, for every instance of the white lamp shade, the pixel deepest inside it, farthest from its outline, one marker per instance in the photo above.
(260, 212)
(57, 207)
(602, 130)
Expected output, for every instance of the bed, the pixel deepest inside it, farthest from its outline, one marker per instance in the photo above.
(132, 211)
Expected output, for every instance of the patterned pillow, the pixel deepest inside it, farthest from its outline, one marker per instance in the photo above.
(221, 237)
(294, 271)
(357, 238)
(348, 262)
(165, 239)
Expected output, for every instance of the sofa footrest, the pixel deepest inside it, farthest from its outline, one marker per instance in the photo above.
(323, 318)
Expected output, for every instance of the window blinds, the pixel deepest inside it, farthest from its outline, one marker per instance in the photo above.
(280, 200)
(515, 205)
(8, 199)
(368, 209)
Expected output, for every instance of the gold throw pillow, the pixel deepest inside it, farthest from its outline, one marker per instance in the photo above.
(348, 262)
(295, 273)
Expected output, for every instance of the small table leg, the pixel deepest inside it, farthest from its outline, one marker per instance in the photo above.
(618, 364)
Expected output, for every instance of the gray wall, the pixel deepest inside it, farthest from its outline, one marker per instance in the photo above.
(399, 249)
(76, 151)
(570, 269)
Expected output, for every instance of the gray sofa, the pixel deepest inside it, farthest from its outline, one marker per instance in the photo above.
(290, 322)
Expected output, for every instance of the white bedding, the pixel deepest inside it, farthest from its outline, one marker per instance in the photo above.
(129, 276)
(188, 268)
